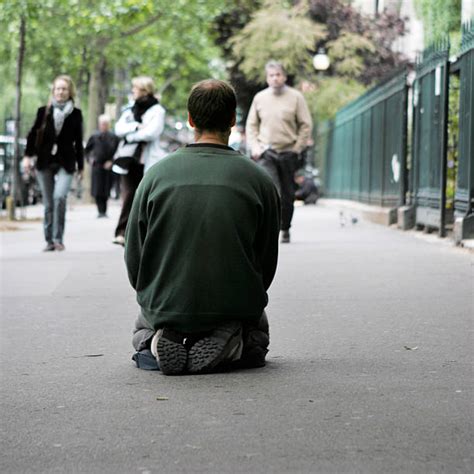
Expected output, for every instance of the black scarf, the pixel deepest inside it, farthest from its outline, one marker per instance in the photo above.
(141, 105)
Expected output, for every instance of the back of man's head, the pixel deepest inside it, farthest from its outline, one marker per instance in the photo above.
(211, 105)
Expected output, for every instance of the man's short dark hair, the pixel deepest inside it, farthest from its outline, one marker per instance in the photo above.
(212, 105)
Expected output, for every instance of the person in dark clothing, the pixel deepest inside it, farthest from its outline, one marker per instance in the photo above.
(56, 141)
(201, 248)
(307, 191)
(100, 151)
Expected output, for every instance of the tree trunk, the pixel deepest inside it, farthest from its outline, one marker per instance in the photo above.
(122, 86)
(97, 97)
(81, 78)
(103, 86)
(95, 92)
(16, 185)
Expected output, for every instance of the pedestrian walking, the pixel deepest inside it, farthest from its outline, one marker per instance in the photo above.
(100, 151)
(54, 146)
(201, 248)
(278, 128)
(142, 122)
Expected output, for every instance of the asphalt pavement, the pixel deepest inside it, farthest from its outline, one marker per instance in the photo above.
(370, 367)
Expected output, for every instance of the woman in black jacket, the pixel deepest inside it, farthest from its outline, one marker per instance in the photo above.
(56, 141)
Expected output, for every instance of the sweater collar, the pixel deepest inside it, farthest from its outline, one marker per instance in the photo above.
(210, 145)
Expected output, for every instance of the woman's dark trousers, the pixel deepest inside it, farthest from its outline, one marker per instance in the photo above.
(128, 185)
(101, 205)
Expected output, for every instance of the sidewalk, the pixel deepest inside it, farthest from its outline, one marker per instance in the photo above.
(370, 368)
(385, 216)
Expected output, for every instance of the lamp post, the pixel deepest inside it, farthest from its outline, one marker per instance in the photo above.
(321, 63)
(321, 60)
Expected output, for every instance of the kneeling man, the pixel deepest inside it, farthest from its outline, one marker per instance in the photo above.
(202, 247)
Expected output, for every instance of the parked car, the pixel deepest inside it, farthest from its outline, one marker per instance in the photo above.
(30, 191)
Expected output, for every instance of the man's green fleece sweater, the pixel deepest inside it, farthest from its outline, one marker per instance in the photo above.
(202, 239)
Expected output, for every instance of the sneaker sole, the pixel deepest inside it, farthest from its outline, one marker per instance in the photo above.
(208, 352)
(172, 356)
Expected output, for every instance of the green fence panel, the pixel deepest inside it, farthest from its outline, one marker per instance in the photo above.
(377, 152)
(366, 157)
(346, 191)
(356, 158)
(339, 162)
(464, 196)
(366, 138)
(394, 173)
(322, 150)
(430, 109)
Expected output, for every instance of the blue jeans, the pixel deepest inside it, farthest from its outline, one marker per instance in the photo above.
(55, 188)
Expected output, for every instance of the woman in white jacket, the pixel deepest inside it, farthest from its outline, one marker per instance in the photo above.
(142, 122)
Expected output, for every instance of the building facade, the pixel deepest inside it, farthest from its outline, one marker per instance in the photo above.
(412, 42)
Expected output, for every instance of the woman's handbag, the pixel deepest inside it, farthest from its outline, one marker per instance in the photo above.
(126, 155)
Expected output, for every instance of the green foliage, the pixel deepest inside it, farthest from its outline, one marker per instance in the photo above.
(453, 139)
(439, 18)
(34, 94)
(276, 32)
(169, 41)
(347, 53)
(330, 94)
(176, 51)
(359, 48)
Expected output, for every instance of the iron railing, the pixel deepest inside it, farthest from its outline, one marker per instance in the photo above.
(464, 194)
(364, 148)
(430, 118)
(365, 152)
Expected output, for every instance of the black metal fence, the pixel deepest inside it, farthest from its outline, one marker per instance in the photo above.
(464, 194)
(430, 119)
(364, 152)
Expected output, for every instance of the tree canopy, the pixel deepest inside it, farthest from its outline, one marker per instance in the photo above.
(359, 48)
(103, 43)
(277, 32)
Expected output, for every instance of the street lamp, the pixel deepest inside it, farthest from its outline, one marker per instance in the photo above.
(321, 60)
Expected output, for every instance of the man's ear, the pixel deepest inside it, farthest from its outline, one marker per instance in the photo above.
(234, 119)
(191, 121)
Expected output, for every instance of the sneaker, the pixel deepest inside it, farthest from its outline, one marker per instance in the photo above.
(49, 248)
(59, 247)
(219, 346)
(255, 349)
(168, 348)
(285, 236)
(119, 240)
(251, 359)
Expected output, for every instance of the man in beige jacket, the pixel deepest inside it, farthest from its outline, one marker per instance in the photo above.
(278, 128)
